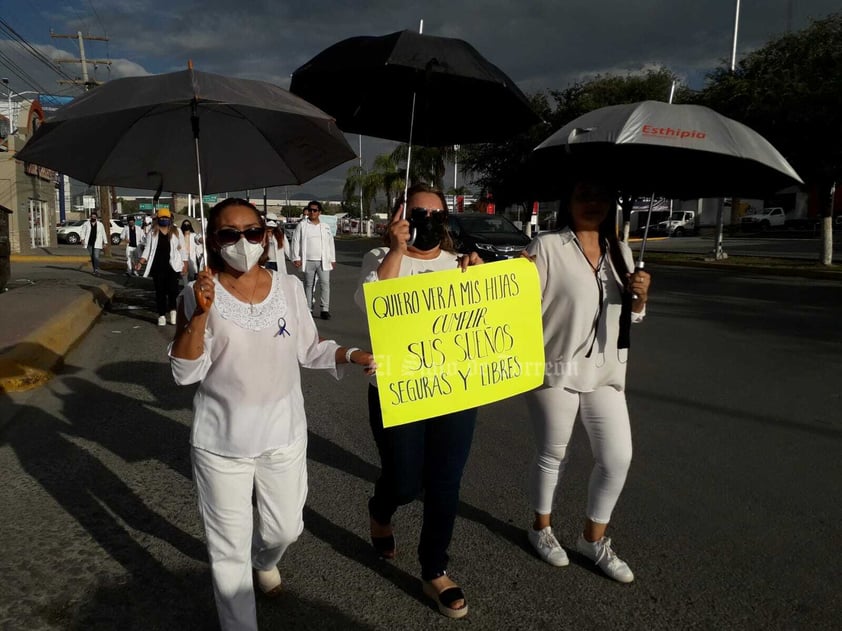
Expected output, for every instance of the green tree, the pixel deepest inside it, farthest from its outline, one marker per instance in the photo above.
(426, 164)
(503, 168)
(790, 92)
(358, 179)
(388, 177)
(129, 206)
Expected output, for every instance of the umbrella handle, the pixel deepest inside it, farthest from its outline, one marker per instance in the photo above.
(414, 230)
(638, 266)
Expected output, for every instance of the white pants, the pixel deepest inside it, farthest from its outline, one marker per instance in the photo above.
(606, 419)
(313, 270)
(132, 257)
(235, 545)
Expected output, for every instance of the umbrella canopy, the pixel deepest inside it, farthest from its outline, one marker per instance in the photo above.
(142, 132)
(680, 151)
(368, 84)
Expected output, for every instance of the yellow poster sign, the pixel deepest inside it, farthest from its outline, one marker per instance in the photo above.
(453, 340)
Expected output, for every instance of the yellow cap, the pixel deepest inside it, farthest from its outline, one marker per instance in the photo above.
(163, 212)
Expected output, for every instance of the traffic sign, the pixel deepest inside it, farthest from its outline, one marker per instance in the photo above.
(144, 206)
(210, 199)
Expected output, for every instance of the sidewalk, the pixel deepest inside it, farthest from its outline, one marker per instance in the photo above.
(43, 317)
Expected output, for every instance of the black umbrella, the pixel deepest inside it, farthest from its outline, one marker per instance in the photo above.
(144, 132)
(368, 84)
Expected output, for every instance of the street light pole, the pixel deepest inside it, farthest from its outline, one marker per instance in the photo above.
(718, 251)
(736, 30)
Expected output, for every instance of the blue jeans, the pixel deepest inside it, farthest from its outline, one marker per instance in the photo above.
(427, 456)
(94, 254)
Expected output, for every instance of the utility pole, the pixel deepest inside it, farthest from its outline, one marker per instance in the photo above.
(719, 253)
(105, 199)
(85, 81)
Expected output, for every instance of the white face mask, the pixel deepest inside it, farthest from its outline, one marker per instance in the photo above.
(242, 255)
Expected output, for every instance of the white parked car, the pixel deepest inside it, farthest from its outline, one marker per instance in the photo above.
(71, 232)
(679, 223)
(764, 219)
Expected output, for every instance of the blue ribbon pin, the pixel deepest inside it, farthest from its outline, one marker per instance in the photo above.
(282, 328)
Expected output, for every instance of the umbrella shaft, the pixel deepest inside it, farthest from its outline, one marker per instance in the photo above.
(645, 232)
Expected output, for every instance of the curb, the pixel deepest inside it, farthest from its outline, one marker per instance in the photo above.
(31, 362)
(44, 258)
(800, 272)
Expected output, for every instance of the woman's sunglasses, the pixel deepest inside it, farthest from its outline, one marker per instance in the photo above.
(229, 236)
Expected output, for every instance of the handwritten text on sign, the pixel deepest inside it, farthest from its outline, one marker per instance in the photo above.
(453, 340)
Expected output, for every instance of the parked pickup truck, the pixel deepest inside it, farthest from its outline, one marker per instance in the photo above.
(764, 219)
(679, 223)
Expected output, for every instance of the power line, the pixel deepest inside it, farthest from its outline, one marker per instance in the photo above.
(14, 68)
(30, 49)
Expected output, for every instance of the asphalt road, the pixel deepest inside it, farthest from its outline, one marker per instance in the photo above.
(730, 517)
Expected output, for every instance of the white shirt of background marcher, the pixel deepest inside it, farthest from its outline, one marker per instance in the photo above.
(299, 244)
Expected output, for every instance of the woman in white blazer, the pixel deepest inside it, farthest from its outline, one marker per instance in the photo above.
(165, 259)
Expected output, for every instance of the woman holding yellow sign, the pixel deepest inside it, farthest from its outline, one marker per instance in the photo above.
(589, 299)
(427, 455)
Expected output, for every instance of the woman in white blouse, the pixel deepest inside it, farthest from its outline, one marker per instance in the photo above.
(242, 332)
(589, 298)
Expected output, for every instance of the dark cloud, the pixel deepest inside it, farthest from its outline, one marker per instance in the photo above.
(541, 44)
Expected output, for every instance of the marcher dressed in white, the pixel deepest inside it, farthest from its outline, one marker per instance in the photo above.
(193, 247)
(589, 299)
(278, 250)
(243, 331)
(313, 250)
(132, 236)
(93, 236)
(165, 259)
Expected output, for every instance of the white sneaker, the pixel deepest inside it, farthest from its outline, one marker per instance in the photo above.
(547, 546)
(600, 552)
(162, 321)
(172, 316)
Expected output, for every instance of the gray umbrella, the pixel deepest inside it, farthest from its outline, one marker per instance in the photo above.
(189, 132)
(680, 151)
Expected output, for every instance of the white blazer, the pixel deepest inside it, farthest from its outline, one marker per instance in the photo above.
(101, 236)
(299, 244)
(178, 255)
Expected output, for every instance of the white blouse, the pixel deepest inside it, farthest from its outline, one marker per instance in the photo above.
(570, 305)
(249, 401)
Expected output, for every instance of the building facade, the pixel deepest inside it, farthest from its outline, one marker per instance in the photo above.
(29, 191)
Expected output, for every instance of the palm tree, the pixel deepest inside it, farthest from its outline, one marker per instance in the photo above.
(428, 164)
(357, 179)
(389, 178)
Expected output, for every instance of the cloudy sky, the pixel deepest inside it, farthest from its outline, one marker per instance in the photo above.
(541, 44)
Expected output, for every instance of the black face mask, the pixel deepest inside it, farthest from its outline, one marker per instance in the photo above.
(428, 232)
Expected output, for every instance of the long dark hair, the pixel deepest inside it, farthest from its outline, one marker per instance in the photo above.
(215, 261)
(607, 229)
(422, 187)
(608, 235)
